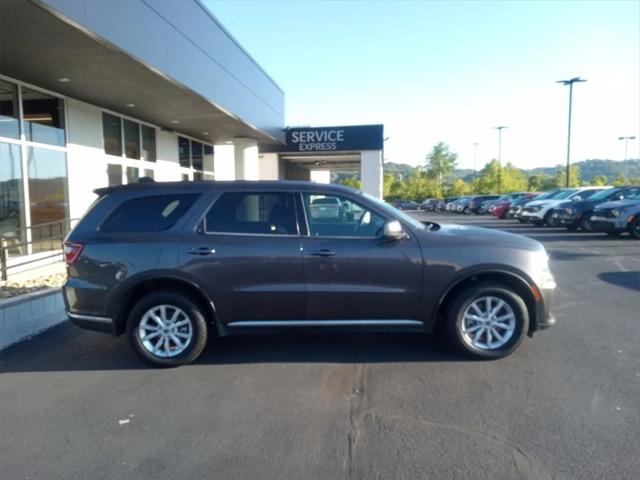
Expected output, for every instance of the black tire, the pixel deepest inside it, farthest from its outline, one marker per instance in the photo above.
(585, 224)
(460, 304)
(634, 228)
(613, 234)
(197, 319)
(546, 221)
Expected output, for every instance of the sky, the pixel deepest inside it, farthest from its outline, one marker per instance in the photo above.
(450, 71)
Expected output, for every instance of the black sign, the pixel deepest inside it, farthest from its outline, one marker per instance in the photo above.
(329, 139)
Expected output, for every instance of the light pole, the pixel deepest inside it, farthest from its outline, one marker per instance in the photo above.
(570, 83)
(500, 128)
(624, 163)
(475, 166)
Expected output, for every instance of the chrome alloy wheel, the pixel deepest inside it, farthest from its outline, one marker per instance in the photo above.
(488, 323)
(165, 331)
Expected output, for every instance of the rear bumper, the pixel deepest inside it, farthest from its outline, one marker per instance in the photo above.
(91, 322)
(599, 224)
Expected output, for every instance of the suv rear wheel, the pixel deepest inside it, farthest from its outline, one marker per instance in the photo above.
(167, 329)
(488, 321)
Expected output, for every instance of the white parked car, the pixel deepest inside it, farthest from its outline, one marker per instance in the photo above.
(539, 212)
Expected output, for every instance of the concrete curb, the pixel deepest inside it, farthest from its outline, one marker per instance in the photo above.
(26, 315)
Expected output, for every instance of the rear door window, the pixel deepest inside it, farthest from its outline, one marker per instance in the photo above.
(257, 213)
(148, 214)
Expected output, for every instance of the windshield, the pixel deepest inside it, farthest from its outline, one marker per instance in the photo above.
(606, 193)
(394, 211)
(564, 193)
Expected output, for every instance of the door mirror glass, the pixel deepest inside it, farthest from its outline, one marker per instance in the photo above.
(393, 230)
(577, 198)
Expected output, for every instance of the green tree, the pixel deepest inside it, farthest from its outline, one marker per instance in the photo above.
(351, 182)
(561, 176)
(619, 179)
(599, 180)
(387, 184)
(441, 163)
(459, 188)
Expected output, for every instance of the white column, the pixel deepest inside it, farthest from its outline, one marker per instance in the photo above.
(246, 159)
(269, 167)
(224, 165)
(371, 172)
(321, 176)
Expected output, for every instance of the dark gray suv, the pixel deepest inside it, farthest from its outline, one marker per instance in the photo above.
(173, 264)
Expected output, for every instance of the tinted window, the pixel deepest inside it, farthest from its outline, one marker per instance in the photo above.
(184, 154)
(9, 124)
(131, 139)
(111, 131)
(196, 155)
(114, 172)
(148, 214)
(43, 117)
(334, 216)
(258, 213)
(148, 143)
(133, 175)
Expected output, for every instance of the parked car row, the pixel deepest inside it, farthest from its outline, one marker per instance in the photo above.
(612, 210)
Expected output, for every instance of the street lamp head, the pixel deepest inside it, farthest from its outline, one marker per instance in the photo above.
(500, 127)
(573, 80)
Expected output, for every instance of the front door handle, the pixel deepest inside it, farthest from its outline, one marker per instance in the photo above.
(325, 252)
(202, 251)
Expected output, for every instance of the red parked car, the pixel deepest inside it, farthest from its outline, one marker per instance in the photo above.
(501, 208)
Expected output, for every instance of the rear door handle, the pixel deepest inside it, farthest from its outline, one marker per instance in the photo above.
(325, 252)
(202, 251)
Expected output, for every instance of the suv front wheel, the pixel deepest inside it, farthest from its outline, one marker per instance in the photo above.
(167, 329)
(488, 321)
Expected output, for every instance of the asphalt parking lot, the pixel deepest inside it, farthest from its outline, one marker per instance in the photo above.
(77, 404)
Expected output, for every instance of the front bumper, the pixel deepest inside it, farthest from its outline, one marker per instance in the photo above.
(544, 315)
(607, 224)
(532, 216)
(564, 219)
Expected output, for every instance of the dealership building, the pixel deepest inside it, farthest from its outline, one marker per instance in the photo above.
(96, 93)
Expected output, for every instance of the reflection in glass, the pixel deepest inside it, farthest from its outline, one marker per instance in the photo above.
(112, 134)
(11, 199)
(9, 112)
(132, 175)
(196, 155)
(114, 172)
(131, 139)
(208, 158)
(47, 170)
(43, 117)
(148, 143)
(183, 152)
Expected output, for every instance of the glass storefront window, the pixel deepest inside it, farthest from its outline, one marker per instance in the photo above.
(114, 172)
(9, 112)
(208, 158)
(149, 173)
(11, 199)
(148, 143)
(48, 196)
(132, 175)
(112, 134)
(184, 153)
(43, 117)
(131, 139)
(196, 155)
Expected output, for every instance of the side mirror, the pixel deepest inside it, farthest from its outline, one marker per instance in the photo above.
(577, 198)
(393, 230)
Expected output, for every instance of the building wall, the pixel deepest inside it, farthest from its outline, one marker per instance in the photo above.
(187, 43)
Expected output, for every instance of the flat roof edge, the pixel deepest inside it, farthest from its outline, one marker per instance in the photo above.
(237, 43)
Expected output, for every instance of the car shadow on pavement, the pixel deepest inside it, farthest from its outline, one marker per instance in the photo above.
(68, 348)
(630, 280)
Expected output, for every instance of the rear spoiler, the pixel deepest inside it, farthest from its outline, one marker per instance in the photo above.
(106, 190)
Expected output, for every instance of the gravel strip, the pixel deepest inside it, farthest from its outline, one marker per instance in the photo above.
(13, 288)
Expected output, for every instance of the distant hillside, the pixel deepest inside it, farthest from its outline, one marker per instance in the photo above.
(588, 169)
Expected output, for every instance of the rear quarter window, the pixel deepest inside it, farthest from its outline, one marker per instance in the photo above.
(148, 214)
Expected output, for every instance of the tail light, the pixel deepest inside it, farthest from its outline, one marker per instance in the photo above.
(72, 251)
